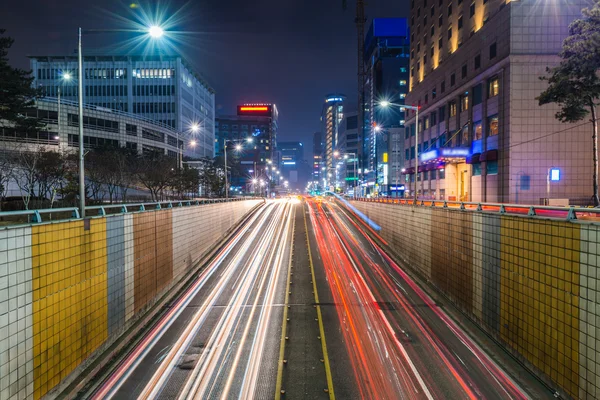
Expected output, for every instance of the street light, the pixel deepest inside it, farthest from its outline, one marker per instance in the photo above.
(153, 31)
(193, 143)
(238, 147)
(416, 146)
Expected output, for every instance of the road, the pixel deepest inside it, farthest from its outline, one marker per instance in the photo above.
(216, 340)
(302, 303)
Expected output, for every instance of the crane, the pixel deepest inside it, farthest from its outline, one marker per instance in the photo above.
(360, 21)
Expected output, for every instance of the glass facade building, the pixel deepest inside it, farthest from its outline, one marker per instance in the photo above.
(162, 88)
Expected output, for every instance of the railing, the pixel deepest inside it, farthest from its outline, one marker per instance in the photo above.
(112, 209)
(569, 213)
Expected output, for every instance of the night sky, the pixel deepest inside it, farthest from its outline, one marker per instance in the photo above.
(288, 52)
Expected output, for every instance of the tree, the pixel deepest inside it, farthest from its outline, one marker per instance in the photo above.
(155, 172)
(6, 174)
(575, 84)
(212, 179)
(17, 95)
(50, 173)
(26, 167)
(186, 182)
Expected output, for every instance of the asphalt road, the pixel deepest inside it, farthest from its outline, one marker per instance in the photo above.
(399, 343)
(221, 339)
(302, 303)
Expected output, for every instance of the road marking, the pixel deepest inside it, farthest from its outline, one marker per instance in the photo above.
(285, 314)
(319, 317)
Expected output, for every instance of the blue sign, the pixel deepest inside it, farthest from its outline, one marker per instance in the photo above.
(450, 152)
(554, 174)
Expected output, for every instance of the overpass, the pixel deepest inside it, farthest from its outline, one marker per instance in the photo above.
(300, 299)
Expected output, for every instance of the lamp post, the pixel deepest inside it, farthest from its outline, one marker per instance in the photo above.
(238, 147)
(66, 77)
(155, 32)
(416, 146)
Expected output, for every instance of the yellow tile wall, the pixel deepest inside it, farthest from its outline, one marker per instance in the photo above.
(69, 268)
(539, 304)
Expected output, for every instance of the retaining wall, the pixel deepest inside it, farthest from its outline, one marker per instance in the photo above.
(69, 289)
(532, 283)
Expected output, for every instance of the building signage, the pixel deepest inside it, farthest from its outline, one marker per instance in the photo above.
(454, 152)
(254, 109)
(396, 188)
(554, 174)
(332, 99)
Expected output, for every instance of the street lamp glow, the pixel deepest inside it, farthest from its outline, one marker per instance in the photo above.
(156, 31)
(345, 156)
(238, 147)
(193, 143)
(254, 181)
(195, 128)
(377, 128)
(67, 76)
(384, 103)
(336, 153)
(249, 140)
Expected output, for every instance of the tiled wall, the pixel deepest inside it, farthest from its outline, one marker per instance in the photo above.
(531, 283)
(68, 289)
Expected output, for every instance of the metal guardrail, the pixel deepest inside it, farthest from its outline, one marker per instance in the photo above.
(569, 213)
(36, 215)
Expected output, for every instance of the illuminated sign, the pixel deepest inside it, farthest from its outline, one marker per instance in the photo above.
(456, 152)
(394, 188)
(332, 99)
(554, 174)
(254, 108)
(289, 163)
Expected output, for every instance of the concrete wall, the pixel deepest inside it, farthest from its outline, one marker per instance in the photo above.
(68, 290)
(531, 283)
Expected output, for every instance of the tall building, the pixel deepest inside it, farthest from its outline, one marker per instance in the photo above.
(331, 118)
(317, 160)
(387, 54)
(292, 157)
(348, 148)
(256, 121)
(160, 88)
(475, 68)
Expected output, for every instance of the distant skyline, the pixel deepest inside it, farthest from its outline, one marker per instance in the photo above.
(288, 53)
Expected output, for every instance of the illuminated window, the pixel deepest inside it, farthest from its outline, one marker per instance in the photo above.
(476, 169)
(453, 108)
(464, 102)
(402, 95)
(492, 125)
(493, 87)
(492, 167)
(477, 130)
(403, 82)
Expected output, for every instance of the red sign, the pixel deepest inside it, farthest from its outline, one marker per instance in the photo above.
(255, 109)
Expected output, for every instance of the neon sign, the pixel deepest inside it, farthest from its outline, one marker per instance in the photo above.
(331, 99)
(254, 108)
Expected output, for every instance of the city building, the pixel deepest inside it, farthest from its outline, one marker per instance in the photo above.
(102, 127)
(292, 161)
(331, 118)
(348, 150)
(162, 88)
(317, 160)
(387, 56)
(475, 68)
(259, 123)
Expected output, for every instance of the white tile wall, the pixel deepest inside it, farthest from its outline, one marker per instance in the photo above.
(129, 267)
(16, 321)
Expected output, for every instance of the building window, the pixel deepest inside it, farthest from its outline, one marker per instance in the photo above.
(452, 79)
(433, 93)
(424, 59)
(460, 22)
(464, 136)
(442, 175)
(441, 20)
(463, 72)
(464, 102)
(477, 130)
(426, 99)
(425, 20)
(418, 47)
(477, 169)
(492, 167)
(492, 125)
(418, 12)
(493, 86)
(412, 54)
(492, 51)
(412, 72)
(426, 122)
(450, 9)
(452, 108)
(440, 42)
(433, 118)
(472, 10)
(407, 154)
(477, 61)
(402, 95)
(433, 10)
(412, 21)
(432, 51)
(442, 113)
(432, 30)
(418, 66)
(443, 86)
(477, 94)
(449, 33)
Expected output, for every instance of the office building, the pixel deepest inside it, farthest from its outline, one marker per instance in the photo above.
(317, 160)
(475, 68)
(255, 121)
(162, 88)
(348, 148)
(292, 161)
(331, 118)
(102, 127)
(387, 54)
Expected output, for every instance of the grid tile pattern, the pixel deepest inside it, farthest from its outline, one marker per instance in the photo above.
(69, 298)
(534, 283)
(589, 313)
(16, 333)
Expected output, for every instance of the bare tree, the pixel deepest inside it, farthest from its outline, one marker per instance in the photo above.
(25, 174)
(155, 172)
(50, 173)
(7, 167)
